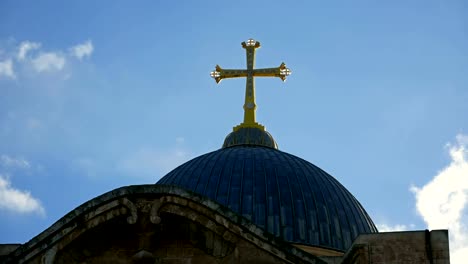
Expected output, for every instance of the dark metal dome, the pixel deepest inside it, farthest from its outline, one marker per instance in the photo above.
(279, 192)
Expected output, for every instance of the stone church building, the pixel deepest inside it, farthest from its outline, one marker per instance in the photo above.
(247, 202)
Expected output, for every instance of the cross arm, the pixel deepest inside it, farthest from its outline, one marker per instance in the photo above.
(282, 72)
(219, 73)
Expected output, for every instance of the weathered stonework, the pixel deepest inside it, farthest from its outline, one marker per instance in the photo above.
(425, 247)
(155, 224)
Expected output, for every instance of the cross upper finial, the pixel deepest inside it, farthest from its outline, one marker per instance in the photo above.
(249, 105)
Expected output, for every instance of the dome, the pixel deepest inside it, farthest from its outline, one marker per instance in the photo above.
(283, 194)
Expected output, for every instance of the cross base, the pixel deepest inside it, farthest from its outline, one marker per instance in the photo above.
(253, 125)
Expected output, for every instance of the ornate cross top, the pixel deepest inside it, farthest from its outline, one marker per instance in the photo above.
(249, 106)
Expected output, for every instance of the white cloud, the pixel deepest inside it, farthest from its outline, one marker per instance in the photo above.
(25, 47)
(391, 228)
(443, 201)
(154, 163)
(6, 69)
(49, 61)
(8, 162)
(18, 201)
(41, 61)
(82, 50)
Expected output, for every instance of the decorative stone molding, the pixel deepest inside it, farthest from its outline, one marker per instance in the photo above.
(133, 210)
(49, 256)
(154, 212)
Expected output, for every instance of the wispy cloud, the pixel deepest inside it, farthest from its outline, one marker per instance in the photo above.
(155, 162)
(25, 47)
(391, 228)
(82, 50)
(18, 201)
(50, 61)
(9, 162)
(6, 69)
(443, 201)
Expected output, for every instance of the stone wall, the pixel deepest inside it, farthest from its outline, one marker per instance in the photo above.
(422, 247)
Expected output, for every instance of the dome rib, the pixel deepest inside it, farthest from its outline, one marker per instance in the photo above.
(307, 217)
(214, 178)
(332, 192)
(324, 223)
(260, 187)
(298, 209)
(346, 195)
(345, 222)
(310, 209)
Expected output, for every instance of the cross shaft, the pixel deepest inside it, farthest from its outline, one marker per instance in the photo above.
(250, 105)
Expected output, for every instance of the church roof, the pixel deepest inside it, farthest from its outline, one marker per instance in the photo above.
(283, 194)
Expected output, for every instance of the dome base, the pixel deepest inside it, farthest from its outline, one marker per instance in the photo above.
(250, 136)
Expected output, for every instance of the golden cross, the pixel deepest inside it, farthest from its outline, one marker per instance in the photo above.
(249, 105)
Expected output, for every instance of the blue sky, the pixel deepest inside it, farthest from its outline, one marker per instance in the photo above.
(98, 95)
